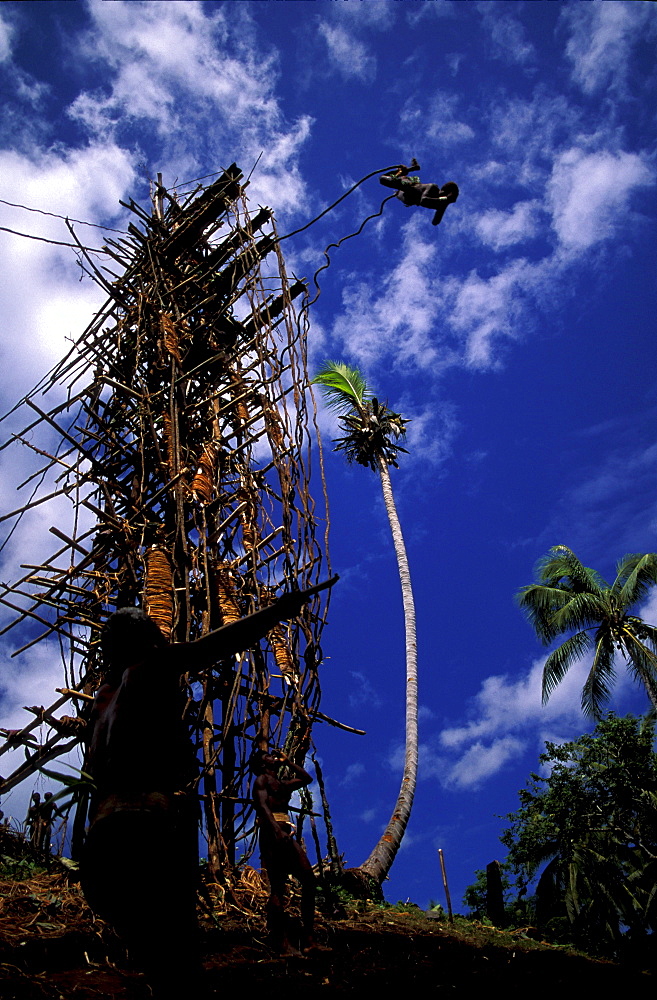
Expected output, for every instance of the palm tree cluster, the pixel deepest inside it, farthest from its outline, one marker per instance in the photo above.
(569, 597)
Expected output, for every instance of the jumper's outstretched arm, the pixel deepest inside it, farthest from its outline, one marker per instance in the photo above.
(242, 634)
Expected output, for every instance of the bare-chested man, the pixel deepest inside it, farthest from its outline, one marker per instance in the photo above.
(412, 192)
(140, 861)
(281, 855)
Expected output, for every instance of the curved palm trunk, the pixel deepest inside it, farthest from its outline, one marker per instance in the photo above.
(380, 860)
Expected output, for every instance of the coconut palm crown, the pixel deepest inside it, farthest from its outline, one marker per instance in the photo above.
(372, 439)
(570, 597)
(372, 430)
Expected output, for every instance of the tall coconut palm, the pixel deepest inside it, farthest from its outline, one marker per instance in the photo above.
(372, 437)
(570, 597)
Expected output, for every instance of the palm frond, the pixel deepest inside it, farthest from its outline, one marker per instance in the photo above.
(647, 634)
(561, 660)
(344, 388)
(562, 567)
(637, 573)
(373, 430)
(579, 611)
(643, 663)
(597, 686)
(541, 604)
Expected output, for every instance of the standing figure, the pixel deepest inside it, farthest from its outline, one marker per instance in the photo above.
(412, 192)
(281, 855)
(139, 865)
(34, 822)
(48, 811)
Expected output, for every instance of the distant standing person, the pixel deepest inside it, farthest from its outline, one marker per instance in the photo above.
(281, 855)
(139, 865)
(34, 822)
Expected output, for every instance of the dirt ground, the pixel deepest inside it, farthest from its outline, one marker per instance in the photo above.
(51, 947)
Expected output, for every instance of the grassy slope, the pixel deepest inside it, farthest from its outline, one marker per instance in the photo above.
(46, 929)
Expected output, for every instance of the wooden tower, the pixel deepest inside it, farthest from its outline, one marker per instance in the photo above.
(179, 429)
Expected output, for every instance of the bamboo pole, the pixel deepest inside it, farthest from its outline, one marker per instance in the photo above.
(443, 872)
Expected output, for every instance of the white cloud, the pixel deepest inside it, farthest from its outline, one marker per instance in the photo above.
(347, 53)
(485, 309)
(395, 323)
(6, 38)
(43, 300)
(503, 229)
(506, 33)
(200, 83)
(438, 120)
(589, 192)
(602, 38)
(152, 47)
(483, 761)
(504, 705)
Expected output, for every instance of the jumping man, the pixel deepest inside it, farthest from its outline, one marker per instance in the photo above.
(412, 192)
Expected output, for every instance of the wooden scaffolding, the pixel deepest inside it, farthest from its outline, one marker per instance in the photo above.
(179, 429)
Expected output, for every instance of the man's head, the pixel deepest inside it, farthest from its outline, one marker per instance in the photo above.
(264, 760)
(129, 634)
(451, 191)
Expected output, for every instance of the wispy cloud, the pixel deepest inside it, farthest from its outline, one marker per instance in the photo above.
(507, 35)
(6, 38)
(602, 37)
(362, 691)
(500, 229)
(349, 55)
(609, 507)
(200, 84)
(396, 321)
(588, 193)
(437, 121)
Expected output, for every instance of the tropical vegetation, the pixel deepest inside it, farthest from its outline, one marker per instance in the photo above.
(582, 847)
(569, 597)
(373, 435)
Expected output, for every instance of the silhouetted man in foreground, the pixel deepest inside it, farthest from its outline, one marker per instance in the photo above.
(412, 192)
(281, 855)
(140, 860)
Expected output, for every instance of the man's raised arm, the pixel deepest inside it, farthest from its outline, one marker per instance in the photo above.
(245, 633)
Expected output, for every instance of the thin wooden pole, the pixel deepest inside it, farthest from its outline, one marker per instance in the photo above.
(443, 871)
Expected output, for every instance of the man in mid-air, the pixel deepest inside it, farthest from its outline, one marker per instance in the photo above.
(412, 192)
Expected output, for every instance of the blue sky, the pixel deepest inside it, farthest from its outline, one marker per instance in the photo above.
(518, 335)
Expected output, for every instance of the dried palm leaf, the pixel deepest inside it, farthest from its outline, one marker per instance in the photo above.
(158, 589)
(170, 335)
(226, 595)
(279, 642)
(274, 425)
(203, 482)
